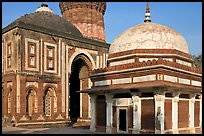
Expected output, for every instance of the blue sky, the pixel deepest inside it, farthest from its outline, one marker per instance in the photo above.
(184, 17)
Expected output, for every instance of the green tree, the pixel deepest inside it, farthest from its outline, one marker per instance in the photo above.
(197, 60)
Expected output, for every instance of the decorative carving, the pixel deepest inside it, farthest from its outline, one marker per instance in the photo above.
(40, 118)
(99, 6)
(59, 117)
(135, 98)
(24, 118)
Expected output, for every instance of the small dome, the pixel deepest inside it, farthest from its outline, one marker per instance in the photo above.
(43, 19)
(50, 21)
(148, 36)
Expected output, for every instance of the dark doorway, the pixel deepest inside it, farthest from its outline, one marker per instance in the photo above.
(122, 120)
(74, 81)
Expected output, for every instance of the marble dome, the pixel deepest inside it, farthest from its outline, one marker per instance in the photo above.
(148, 35)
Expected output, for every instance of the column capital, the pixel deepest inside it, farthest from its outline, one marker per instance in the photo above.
(135, 98)
(159, 97)
(109, 97)
(93, 98)
(176, 93)
(176, 99)
(200, 97)
(136, 93)
(93, 95)
(192, 95)
(160, 90)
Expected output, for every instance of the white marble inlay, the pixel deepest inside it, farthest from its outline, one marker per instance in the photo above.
(183, 62)
(144, 78)
(122, 101)
(196, 83)
(102, 83)
(32, 83)
(121, 81)
(170, 78)
(184, 81)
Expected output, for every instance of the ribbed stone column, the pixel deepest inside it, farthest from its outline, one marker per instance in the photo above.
(191, 113)
(109, 113)
(175, 101)
(93, 112)
(159, 113)
(136, 114)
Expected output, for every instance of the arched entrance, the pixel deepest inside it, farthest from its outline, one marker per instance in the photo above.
(79, 79)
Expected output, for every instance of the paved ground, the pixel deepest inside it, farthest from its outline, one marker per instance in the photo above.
(64, 130)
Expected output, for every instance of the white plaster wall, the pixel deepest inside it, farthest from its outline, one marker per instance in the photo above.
(122, 62)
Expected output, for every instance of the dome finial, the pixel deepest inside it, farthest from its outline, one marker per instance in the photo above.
(147, 14)
(44, 4)
(44, 7)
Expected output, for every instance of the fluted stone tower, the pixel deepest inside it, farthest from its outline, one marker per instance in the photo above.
(88, 17)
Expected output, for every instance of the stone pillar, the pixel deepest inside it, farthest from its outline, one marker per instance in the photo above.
(159, 113)
(191, 113)
(175, 112)
(136, 114)
(109, 113)
(93, 112)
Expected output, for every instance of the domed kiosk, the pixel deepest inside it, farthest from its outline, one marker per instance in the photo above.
(149, 85)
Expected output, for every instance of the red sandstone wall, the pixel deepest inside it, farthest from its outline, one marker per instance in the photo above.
(168, 114)
(89, 22)
(183, 113)
(101, 111)
(114, 119)
(196, 113)
(147, 114)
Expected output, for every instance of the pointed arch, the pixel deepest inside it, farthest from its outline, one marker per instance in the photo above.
(9, 98)
(31, 100)
(81, 52)
(49, 100)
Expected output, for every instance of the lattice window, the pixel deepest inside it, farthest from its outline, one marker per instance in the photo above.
(50, 52)
(31, 54)
(32, 49)
(50, 58)
(32, 61)
(47, 104)
(9, 101)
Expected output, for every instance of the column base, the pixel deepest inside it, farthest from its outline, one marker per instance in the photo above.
(92, 128)
(159, 132)
(175, 131)
(108, 130)
(192, 130)
(135, 131)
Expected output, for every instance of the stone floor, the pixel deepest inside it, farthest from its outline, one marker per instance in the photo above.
(63, 130)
